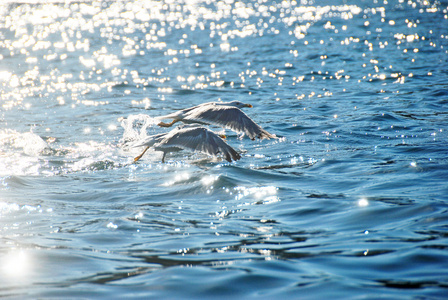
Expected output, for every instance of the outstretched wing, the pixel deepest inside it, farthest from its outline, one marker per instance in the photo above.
(180, 114)
(198, 139)
(149, 141)
(228, 117)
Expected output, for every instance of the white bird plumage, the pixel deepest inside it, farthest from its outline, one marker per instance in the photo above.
(223, 114)
(189, 137)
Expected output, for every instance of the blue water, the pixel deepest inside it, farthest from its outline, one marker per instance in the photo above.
(350, 202)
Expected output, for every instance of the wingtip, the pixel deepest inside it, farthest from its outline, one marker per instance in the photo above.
(266, 135)
(235, 155)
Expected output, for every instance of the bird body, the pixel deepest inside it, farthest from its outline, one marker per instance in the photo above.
(224, 114)
(194, 138)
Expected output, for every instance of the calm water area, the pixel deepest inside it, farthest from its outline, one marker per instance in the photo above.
(350, 202)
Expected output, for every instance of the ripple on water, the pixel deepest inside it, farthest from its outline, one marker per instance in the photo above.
(350, 202)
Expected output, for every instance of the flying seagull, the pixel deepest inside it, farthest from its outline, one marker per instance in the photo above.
(223, 114)
(189, 137)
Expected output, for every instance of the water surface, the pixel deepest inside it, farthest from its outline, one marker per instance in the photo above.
(350, 202)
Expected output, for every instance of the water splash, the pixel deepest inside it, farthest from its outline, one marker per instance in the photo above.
(135, 127)
(29, 154)
(20, 152)
(31, 143)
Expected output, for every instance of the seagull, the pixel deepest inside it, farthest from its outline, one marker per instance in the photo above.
(223, 114)
(190, 137)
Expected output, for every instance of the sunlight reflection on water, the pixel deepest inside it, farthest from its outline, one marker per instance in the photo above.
(363, 202)
(349, 201)
(17, 264)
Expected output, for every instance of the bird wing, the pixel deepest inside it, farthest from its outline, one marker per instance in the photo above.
(198, 139)
(228, 117)
(181, 113)
(149, 141)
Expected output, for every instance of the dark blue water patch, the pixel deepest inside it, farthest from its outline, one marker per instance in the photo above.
(433, 149)
(189, 192)
(368, 275)
(299, 130)
(306, 208)
(385, 117)
(257, 176)
(412, 115)
(218, 283)
(407, 284)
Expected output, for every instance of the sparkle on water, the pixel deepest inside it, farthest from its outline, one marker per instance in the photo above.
(349, 202)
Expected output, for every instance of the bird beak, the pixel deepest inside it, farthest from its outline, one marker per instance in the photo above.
(248, 105)
(223, 136)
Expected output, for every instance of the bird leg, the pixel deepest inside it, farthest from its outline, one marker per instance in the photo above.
(140, 156)
(162, 124)
(163, 157)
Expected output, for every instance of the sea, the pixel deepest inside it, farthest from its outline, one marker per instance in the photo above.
(350, 201)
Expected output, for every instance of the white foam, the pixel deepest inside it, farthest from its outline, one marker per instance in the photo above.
(31, 143)
(135, 127)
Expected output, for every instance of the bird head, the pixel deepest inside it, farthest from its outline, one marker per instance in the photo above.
(238, 104)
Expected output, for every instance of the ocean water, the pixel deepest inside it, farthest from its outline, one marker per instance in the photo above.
(349, 203)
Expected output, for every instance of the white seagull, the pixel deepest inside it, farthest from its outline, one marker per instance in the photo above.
(223, 114)
(190, 137)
